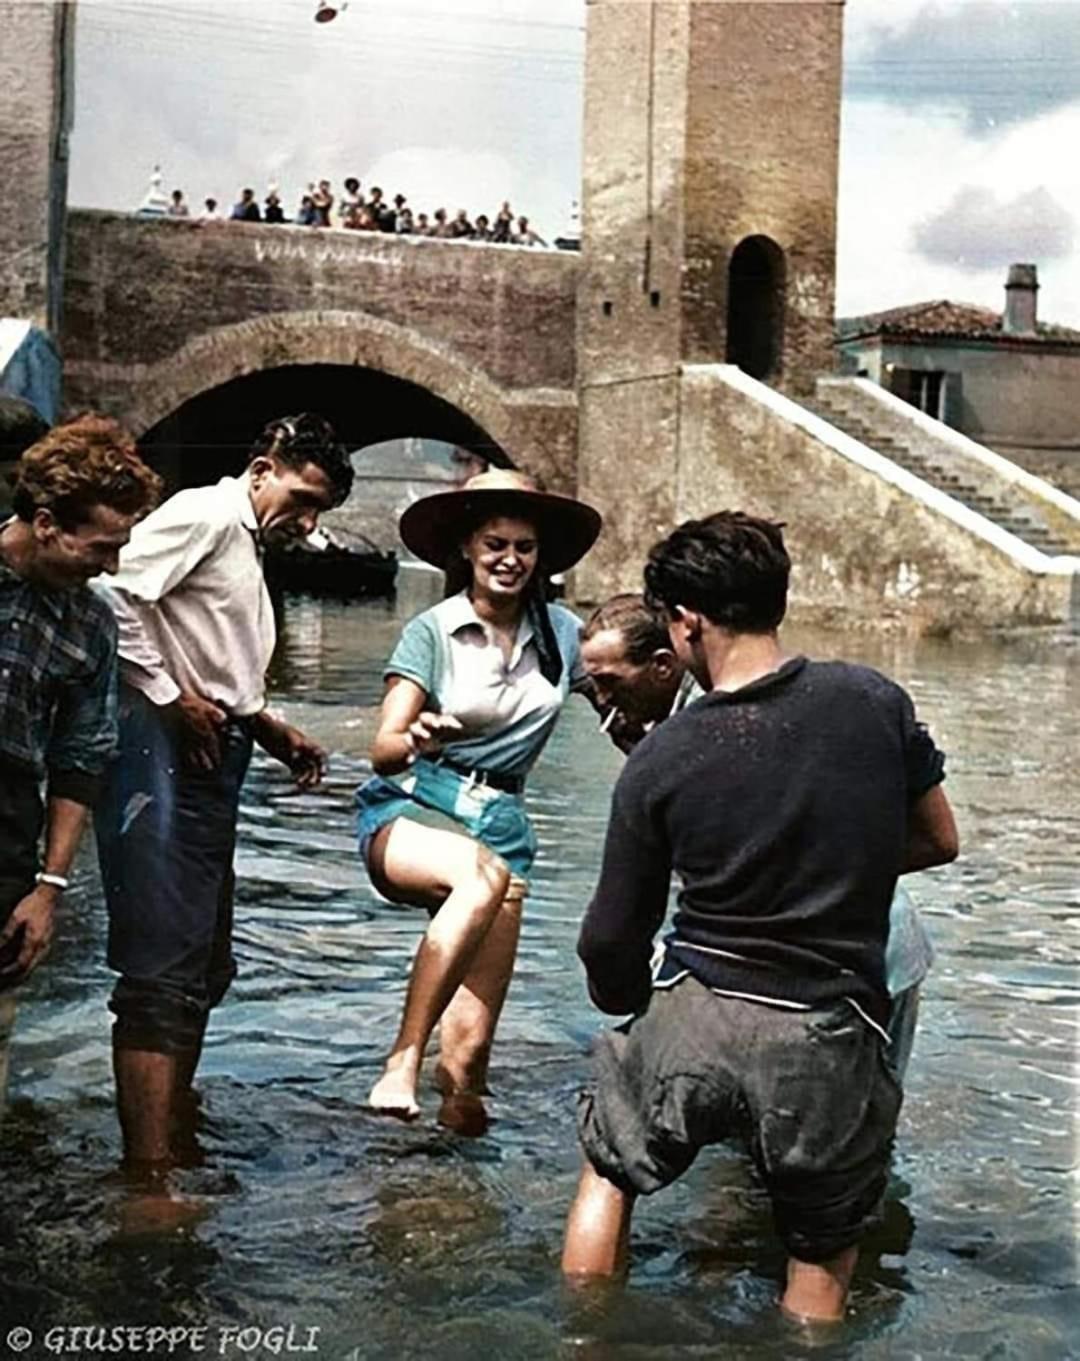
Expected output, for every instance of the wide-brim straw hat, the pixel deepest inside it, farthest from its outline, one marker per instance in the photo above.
(433, 528)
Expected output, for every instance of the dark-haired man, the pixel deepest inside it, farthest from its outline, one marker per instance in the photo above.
(246, 209)
(636, 682)
(196, 636)
(789, 799)
(78, 490)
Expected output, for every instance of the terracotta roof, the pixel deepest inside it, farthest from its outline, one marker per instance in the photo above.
(951, 320)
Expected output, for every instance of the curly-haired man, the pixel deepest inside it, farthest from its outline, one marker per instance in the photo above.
(78, 491)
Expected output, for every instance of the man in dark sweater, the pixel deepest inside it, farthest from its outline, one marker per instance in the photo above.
(788, 800)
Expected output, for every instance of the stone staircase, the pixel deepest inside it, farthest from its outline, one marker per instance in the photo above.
(943, 471)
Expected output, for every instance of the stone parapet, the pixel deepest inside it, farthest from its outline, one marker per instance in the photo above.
(138, 290)
(890, 416)
(871, 544)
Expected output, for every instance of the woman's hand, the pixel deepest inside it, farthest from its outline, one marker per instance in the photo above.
(428, 733)
(407, 728)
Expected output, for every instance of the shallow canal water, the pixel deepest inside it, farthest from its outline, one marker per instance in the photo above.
(395, 1241)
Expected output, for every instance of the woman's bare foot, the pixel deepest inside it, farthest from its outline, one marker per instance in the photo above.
(464, 1113)
(455, 1082)
(395, 1094)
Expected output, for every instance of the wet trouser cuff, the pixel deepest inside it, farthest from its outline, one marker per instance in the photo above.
(157, 1017)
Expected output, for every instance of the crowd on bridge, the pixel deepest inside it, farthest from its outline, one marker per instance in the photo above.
(366, 211)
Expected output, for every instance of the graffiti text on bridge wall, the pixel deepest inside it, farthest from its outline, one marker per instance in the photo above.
(317, 253)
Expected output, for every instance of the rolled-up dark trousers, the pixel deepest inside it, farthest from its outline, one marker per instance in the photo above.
(21, 816)
(166, 836)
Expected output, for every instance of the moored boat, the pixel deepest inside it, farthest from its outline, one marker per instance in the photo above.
(326, 564)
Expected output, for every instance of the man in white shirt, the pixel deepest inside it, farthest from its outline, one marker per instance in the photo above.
(197, 633)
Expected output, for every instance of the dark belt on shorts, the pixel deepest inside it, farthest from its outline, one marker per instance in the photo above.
(495, 779)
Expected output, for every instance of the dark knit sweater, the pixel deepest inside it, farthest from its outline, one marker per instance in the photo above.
(783, 809)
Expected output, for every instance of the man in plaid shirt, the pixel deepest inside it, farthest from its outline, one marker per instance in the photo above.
(78, 491)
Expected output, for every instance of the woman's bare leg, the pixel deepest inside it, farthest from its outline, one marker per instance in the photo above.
(468, 1024)
(466, 884)
(597, 1229)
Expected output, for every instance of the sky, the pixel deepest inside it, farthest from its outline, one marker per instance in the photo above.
(961, 120)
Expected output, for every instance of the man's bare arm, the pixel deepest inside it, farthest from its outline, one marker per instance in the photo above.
(932, 835)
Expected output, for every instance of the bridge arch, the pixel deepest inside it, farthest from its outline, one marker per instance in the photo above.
(531, 428)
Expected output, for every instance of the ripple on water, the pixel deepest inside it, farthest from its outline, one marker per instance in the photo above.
(400, 1241)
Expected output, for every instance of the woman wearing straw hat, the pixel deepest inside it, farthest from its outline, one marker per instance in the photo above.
(474, 688)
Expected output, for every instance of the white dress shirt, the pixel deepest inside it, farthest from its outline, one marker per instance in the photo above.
(191, 602)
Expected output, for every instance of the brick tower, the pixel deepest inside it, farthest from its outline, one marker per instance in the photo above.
(709, 229)
(35, 119)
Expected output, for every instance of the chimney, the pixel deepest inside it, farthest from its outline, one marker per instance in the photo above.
(1021, 289)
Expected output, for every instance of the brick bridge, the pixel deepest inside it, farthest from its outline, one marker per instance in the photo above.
(194, 336)
(663, 372)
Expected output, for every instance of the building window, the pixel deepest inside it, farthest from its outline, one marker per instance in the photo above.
(924, 388)
(755, 308)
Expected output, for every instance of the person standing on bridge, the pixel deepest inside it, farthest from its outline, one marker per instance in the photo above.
(78, 491)
(196, 636)
(474, 688)
(525, 236)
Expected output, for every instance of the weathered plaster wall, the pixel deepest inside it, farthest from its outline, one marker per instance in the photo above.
(629, 474)
(1010, 393)
(35, 49)
(629, 322)
(138, 289)
(1059, 464)
(864, 551)
(633, 204)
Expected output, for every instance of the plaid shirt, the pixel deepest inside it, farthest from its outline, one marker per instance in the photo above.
(57, 684)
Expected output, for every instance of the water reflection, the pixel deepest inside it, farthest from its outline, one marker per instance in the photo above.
(398, 1241)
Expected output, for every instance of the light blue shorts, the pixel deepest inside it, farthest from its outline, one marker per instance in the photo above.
(437, 796)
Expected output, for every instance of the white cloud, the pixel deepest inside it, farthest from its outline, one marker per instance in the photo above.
(995, 62)
(902, 167)
(225, 96)
(976, 229)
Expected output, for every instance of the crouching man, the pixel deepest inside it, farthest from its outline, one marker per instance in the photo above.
(788, 799)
